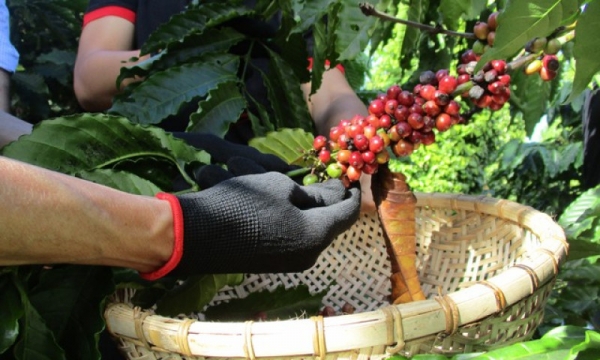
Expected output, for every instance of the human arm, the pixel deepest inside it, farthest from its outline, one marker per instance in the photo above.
(106, 44)
(11, 128)
(336, 100)
(254, 223)
(52, 218)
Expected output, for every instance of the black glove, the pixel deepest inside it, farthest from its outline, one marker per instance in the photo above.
(239, 159)
(264, 223)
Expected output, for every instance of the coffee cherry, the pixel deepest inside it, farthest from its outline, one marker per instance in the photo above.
(393, 91)
(491, 38)
(443, 122)
(385, 121)
(481, 30)
(551, 62)
(496, 87)
(361, 143)
(547, 74)
(430, 108)
(499, 66)
(504, 79)
(492, 21)
(319, 142)
(401, 113)
(479, 47)
(368, 157)
(468, 56)
(324, 156)
(406, 98)
(382, 157)
(356, 159)
(453, 108)
(536, 44)
(448, 84)
(353, 173)
(428, 138)
(376, 144)
(428, 78)
(403, 148)
(376, 107)
(427, 92)
(370, 169)
(343, 156)
(334, 170)
(310, 179)
(403, 129)
(390, 106)
(415, 120)
(552, 47)
(533, 67)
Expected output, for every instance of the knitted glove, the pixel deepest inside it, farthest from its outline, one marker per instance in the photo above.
(239, 159)
(264, 223)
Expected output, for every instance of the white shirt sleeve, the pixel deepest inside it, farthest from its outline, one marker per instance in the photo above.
(9, 57)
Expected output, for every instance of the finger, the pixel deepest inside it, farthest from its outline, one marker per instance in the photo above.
(239, 166)
(338, 216)
(320, 194)
(209, 175)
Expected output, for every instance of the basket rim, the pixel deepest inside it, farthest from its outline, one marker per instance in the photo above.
(388, 327)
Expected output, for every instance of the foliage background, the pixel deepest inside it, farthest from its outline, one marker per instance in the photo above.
(497, 153)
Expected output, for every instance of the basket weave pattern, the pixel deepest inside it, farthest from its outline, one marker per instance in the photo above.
(486, 265)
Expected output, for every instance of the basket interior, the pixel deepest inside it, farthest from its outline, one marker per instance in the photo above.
(456, 248)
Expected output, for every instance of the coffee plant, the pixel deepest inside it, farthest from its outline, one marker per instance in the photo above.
(484, 68)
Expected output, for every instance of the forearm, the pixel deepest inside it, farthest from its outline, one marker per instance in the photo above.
(95, 89)
(52, 218)
(11, 128)
(334, 101)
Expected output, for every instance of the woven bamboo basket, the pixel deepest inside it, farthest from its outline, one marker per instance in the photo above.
(487, 267)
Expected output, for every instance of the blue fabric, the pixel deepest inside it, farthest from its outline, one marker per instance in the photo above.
(9, 56)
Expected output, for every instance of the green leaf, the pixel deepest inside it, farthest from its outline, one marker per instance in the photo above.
(579, 209)
(192, 21)
(222, 107)
(584, 271)
(95, 141)
(164, 93)
(191, 48)
(10, 313)
(288, 144)
(453, 10)
(194, 294)
(121, 180)
(521, 21)
(589, 348)
(310, 13)
(412, 34)
(70, 300)
(533, 94)
(353, 32)
(555, 344)
(36, 340)
(285, 95)
(280, 303)
(586, 50)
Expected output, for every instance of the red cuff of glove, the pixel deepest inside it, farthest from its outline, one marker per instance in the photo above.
(177, 245)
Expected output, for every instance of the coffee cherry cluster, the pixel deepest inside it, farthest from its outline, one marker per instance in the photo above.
(546, 66)
(485, 33)
(491, 84)
(399, 120)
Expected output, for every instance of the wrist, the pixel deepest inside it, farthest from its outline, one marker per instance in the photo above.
(172, 239)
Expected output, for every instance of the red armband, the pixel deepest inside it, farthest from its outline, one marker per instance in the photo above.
(340, 67)
(114, 10)
(178, 243)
